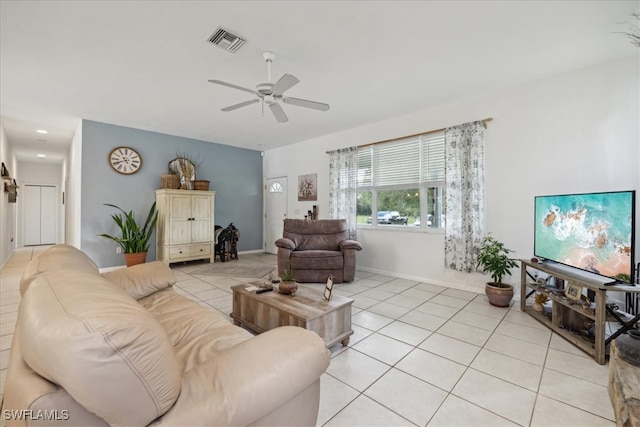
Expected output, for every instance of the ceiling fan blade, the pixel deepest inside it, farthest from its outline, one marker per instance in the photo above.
(278, 112)
(242, 104)
(285, 83)
(306, 103)
(232, 86)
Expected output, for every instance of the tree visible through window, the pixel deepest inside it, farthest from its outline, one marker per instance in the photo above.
(401, 183)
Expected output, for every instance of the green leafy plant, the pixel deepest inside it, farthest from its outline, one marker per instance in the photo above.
(133, 239)
(287, 276)
(494, 259)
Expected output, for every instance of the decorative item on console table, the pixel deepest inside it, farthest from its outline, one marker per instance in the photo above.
(494, 259)
(539, 302)
(133, 240)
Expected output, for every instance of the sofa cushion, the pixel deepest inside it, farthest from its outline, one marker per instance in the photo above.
(58, 257)
(316, 260)
(111, 355)
(197, 333)
(142, 280)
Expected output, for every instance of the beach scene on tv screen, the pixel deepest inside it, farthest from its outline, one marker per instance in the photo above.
(588, 231)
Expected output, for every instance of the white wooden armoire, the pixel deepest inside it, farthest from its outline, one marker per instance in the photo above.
(185, 230)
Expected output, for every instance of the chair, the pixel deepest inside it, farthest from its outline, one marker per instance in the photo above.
(315, 249)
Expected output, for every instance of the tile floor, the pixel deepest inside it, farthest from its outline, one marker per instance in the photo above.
(421, 355)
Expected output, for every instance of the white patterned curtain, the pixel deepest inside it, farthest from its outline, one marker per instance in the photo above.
(343, 167)
(464, 225)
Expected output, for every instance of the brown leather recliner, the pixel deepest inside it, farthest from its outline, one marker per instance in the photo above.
(315, 249)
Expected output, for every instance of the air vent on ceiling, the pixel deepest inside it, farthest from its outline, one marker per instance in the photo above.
(226, 40)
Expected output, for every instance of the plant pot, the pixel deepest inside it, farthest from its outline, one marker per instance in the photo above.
(499, 294)
(538, 307)
(288, 288)
(135, 259)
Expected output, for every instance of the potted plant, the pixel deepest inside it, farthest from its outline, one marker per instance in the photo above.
(288, 283)
(134, 239)
(494, 259)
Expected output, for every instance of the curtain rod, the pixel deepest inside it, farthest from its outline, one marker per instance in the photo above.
(484, 122)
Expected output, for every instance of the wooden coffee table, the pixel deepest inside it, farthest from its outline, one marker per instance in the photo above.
(307, 309)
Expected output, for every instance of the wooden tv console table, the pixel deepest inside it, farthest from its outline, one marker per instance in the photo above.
(567, 314)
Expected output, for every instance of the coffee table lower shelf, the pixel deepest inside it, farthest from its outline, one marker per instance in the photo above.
(331, 320)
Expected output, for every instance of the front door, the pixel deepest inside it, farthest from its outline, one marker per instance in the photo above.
(276, 212)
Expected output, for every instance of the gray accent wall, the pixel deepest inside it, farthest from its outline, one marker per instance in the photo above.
(235, 175)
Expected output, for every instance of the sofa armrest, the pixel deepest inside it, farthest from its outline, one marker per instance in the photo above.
(250, 380)
(350, 244)
(285, 243)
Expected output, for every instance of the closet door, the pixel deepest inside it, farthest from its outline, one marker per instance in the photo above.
(40, 207)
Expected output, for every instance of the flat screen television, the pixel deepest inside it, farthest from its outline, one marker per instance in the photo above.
(591, 231)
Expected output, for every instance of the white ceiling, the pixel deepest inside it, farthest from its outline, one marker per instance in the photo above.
(145, 64)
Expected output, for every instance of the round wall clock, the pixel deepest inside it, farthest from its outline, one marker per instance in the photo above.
(125, 160)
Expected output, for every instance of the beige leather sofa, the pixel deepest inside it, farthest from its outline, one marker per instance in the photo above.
(124, 349)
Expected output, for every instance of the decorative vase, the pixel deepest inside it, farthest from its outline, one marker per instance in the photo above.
(538, 307)
(499, 294)
(135, 259)
(288, 288)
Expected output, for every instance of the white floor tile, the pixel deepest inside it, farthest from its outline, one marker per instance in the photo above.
(551, 413)
(456, 412)
(437, 310)
(369, 320)
(404, 332)
(578, 366)
(423, 320)
(407, 396)
(334, 396)
(436, 370)
(364, 412)
(477, 320)
(383, 348)
(466, 333)
(507, 368)
(356, 369)
(576, 392)
(450, 348)
(500, 397)
(517, 348)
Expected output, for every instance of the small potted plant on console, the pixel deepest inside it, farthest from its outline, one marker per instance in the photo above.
(493, 258)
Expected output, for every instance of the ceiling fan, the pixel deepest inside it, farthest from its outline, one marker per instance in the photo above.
(270, 93)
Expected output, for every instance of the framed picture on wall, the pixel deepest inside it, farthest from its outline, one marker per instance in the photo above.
(308, 187)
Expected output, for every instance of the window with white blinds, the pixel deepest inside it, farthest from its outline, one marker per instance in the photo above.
(412, 161)
(403, 182)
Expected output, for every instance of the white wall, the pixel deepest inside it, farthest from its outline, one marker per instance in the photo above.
(72, 173)
(7, 210)
(576, 132)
